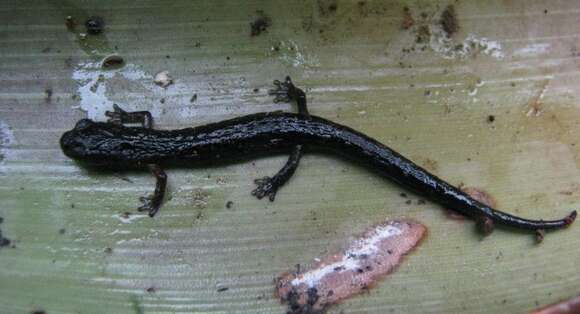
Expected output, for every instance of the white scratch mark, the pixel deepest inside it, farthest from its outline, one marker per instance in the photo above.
(350, 259)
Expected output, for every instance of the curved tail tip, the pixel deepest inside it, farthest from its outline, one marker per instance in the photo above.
(570, 219)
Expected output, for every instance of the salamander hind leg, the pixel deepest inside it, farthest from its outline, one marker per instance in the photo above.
(268, 186)
(152, 203)
(119, 116)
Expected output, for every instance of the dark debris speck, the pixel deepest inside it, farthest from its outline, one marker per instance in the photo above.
(449, 21)
(260, 24)
(95, 25)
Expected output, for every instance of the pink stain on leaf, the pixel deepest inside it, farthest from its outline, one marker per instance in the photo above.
(367, 259)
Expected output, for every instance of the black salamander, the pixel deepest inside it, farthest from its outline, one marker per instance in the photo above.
(111, 144)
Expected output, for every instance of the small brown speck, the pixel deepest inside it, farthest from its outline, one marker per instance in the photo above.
(70, 23)
(332, 7)
(540, 234)
(151, 290)
(423, 34)
(449, 21)
(112, 62)
(490, 118)
(108, 250)
(485, 225)
(260, 24)
(408, 20)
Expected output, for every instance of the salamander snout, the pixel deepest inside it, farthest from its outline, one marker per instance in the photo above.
(73, 142)
(70, 145)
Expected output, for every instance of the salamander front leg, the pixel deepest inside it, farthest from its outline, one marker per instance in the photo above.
(268, 186)
(152, 203)
(119, 116)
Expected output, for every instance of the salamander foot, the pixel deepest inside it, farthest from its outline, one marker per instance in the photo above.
(116, 116)
(148, 205)
(266, 187)
(283, 90)
(119, 117)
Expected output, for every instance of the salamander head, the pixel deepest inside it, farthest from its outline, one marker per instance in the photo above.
(95, 143)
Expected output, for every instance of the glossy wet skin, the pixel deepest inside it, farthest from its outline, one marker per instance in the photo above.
(96, 143)
(81, 141)
(266, 133)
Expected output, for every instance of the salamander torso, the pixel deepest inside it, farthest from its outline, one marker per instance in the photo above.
(112, 143)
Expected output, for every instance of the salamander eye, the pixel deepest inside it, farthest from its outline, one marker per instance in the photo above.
(83, 124)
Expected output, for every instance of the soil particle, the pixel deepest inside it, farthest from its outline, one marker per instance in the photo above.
(260, 24)
(48, 94)
(327, 7)
(485, 225)
(163, 79)
(70, 23)
(540, 234)
(423, 34)
(112, 62)
(3, 241)
(449, 21)
(95, 25)
(408, 20)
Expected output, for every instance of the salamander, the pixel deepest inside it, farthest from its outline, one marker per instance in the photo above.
(113, 144)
